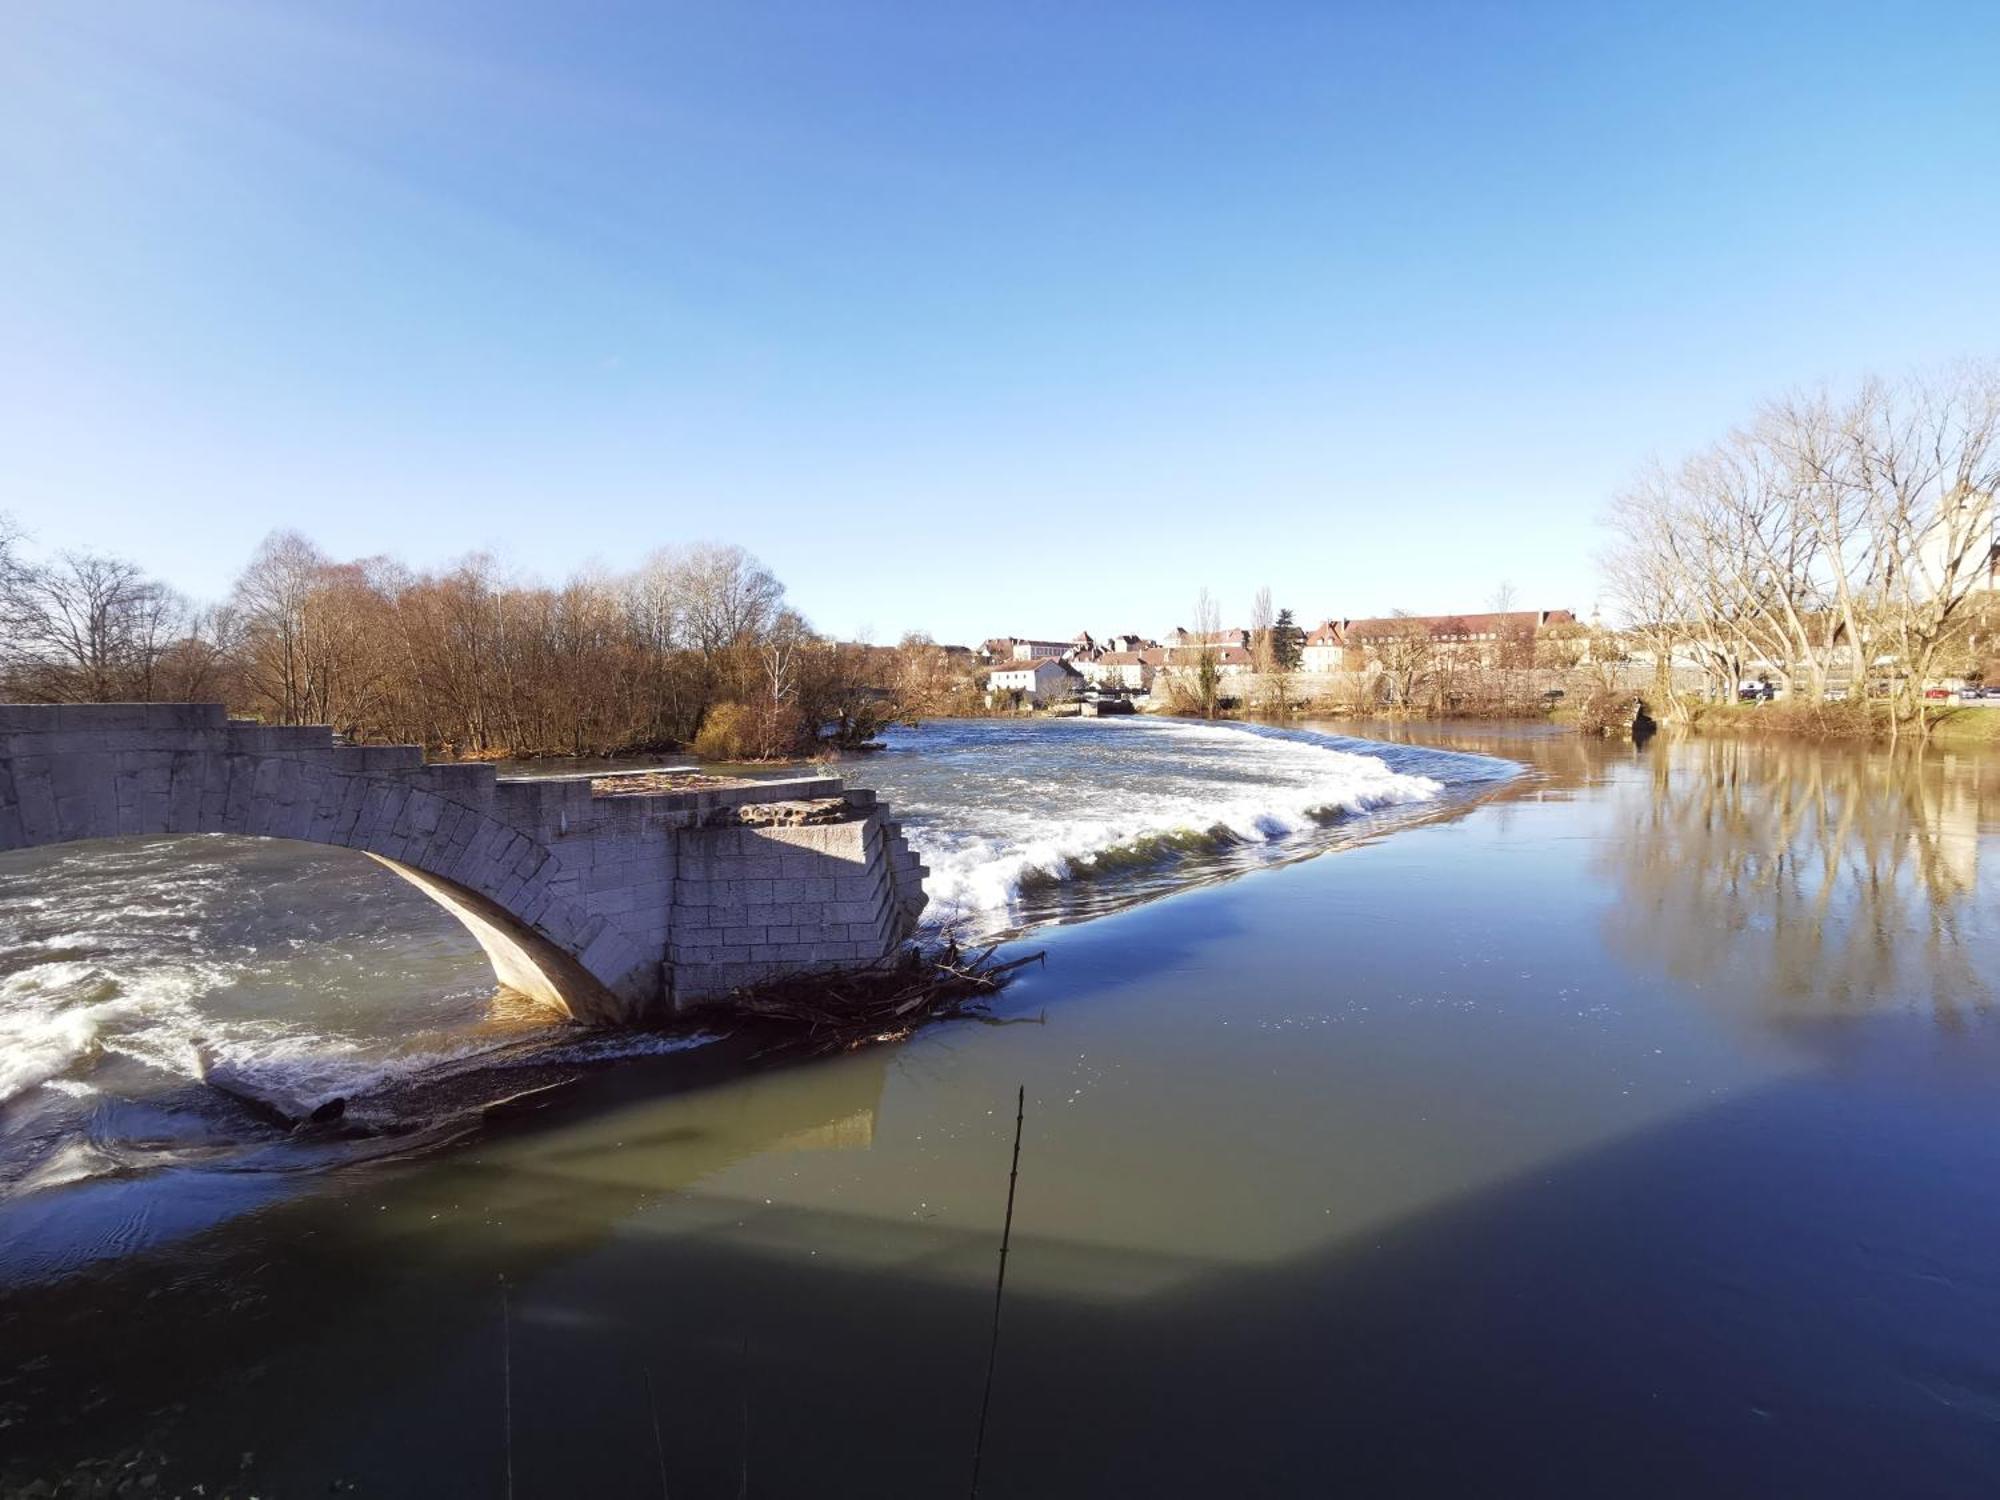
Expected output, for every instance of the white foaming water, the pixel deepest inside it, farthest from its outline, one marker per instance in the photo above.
(129, 967)
(1003, 811)
(39, 1049)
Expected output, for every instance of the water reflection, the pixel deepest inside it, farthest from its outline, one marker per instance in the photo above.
(1806, 882)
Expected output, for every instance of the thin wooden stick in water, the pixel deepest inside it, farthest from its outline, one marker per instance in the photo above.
(743, 1487)
(659, 1447)
(999, 1287)
(507, 1385)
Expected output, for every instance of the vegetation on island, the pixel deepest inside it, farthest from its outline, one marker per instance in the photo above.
(694, 647)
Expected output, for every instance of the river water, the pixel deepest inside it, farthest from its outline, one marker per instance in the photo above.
(1580, 1120)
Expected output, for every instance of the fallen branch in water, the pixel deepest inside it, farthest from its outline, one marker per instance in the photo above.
(850, 1008)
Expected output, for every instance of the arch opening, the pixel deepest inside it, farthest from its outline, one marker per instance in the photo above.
(523, 960)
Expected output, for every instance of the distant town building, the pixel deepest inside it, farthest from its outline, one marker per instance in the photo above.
(1325, 649)
(1505, 638)
(1127, 671)
(1044, 680)
(1964, 537)
(1021, 648)
(1186, 640)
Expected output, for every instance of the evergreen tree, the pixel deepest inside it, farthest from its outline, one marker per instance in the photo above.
(1286, 642)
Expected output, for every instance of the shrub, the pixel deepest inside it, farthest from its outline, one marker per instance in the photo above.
(724, 733)
(741, 731)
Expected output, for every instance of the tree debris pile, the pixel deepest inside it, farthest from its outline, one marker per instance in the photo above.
(638, 783)
(853, 1008)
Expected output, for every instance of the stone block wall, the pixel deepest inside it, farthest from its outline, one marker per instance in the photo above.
(751, 904)
(617, 907)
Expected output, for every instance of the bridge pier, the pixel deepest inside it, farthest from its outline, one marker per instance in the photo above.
(620, 907)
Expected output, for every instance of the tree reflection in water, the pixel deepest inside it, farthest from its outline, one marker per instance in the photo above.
(1811, 882)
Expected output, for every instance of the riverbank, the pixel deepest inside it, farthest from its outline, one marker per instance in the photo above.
(1947, 727)
(1620, 1129)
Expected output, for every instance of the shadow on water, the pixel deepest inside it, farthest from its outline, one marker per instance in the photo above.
(1516, 1340)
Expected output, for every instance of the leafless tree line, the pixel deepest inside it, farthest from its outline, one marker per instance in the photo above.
(85, 627)
(695, 642)
(1835, 543)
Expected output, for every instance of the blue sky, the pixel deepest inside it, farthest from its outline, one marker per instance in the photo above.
(975, 318)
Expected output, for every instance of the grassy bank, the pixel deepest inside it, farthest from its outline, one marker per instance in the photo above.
(1965, 726)
(1862, 723)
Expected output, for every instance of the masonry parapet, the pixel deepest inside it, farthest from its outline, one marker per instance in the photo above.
(616, 905)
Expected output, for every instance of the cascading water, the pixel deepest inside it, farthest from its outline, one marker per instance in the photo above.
(128, 968)
(1024, 821)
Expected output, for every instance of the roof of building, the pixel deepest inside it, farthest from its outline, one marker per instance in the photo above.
(1448, 626)
(1123, 659)
(1031, 666)
(1182, 637)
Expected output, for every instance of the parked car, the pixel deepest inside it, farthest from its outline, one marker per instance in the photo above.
(1937, 695)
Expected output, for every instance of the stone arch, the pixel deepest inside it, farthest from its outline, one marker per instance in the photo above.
(573, 896)
(69, 773)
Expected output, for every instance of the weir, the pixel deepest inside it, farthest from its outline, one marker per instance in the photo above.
(616, 908)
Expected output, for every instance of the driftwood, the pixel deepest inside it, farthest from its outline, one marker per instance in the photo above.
(852, 1008)
(269, 1106)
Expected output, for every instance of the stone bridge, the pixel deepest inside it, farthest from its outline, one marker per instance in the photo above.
(614, 907)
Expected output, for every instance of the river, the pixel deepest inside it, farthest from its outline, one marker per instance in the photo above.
(1436, 1111)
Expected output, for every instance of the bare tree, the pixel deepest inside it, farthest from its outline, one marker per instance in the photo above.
(12, 574)
(1267, 653)
(1207, 669)
(1926, 460)
(92, 629)
(1825, 536)
(727, 598)
(271, 599)
(1407, 656)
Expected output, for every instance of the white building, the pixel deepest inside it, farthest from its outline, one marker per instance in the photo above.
(1325, 649)
(1129, 670)
(1020, 648)
(1033, 683)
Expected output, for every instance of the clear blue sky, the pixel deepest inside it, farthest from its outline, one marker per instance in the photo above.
(976, 318)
